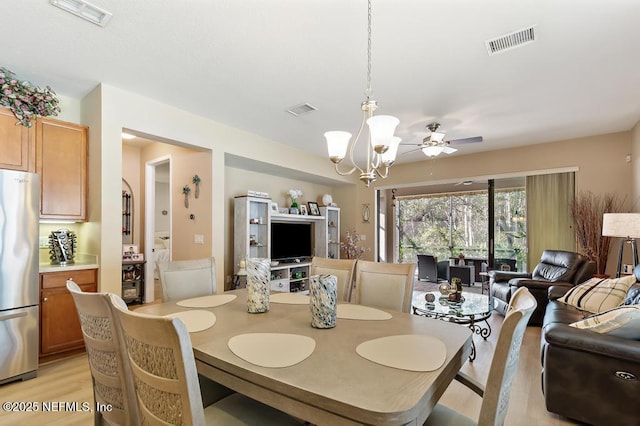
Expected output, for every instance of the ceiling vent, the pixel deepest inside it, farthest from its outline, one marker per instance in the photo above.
(301, 109)
(511, 40)
(84, 10)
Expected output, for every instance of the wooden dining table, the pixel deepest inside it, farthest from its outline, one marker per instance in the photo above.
(334, 385)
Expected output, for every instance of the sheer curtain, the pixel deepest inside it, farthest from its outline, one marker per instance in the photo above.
(549, 223)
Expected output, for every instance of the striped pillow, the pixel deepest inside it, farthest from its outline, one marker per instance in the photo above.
(598, 295)
(621, 322)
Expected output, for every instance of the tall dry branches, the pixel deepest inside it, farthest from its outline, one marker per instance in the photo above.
(587, 210)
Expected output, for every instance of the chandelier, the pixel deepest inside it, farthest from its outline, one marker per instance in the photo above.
(383, 146)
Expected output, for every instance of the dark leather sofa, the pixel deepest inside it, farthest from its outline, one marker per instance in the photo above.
(556, 267)
(587, 376)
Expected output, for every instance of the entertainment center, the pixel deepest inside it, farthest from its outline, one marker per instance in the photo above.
(288, 239)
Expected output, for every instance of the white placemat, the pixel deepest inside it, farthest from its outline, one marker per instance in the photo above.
(273, 350)
(210, 301)
(411, 352)
(289, 298)
(195, 320)
(359, 312)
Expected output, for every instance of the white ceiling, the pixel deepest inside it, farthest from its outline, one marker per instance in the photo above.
(245, 63)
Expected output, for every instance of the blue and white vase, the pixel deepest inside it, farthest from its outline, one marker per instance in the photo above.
(258, 285)
(323, 291)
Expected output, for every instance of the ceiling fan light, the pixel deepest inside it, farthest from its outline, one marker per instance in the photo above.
(389, 156)
(432, 150)
(381, 128)
(337, 143)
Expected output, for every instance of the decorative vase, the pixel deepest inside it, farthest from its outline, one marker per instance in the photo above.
(258, 286)
(323, 291)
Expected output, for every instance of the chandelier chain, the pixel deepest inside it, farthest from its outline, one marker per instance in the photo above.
(369, 92)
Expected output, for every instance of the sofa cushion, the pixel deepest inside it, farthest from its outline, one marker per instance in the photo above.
(621, 322)
(598, 295)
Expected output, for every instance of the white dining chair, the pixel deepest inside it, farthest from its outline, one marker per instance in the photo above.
(384, 285)
(166, 381)
(184, 279)
(343, 269)
(110, 373)
(504, 365)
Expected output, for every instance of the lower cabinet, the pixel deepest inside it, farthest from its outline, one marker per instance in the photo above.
(60, 333)
(292, 277)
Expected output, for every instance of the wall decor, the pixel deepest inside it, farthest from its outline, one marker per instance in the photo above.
(314, 210)
(196, 182)
(186, 190)
(366, 213)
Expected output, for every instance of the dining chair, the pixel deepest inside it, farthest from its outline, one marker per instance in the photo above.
(184, 279)
(384, 285)
(161, 357)
(343, 269)
(504, 365)
(110, 374)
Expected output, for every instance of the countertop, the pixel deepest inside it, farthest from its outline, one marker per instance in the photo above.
(82, 261)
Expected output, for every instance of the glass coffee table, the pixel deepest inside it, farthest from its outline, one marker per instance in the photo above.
(473, 311)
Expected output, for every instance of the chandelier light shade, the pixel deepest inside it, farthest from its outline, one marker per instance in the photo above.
(382, 147)
(625, 226)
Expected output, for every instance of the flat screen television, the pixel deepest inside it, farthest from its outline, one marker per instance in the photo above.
(290, 240)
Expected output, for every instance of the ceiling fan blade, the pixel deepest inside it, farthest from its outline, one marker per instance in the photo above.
(408, 152)
(467, 140)
(448, 150)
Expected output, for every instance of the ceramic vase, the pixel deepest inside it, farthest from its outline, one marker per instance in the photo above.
(323, 291)
(258, 286)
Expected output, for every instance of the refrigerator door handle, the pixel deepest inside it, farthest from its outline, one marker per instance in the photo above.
(12, 316)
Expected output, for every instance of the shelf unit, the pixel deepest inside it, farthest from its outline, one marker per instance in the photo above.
(133, 281)
(290, 277)
(252, 230)
(332, 215)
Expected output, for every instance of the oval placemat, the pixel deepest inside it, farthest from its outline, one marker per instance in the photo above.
(275, 350)
(210, 301)
(359, 312)
(411, 352)
(289, 298)
(195, 320)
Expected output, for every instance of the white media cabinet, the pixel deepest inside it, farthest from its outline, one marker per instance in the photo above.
(252, 239)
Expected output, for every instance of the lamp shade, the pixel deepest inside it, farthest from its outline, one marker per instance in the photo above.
(381, 128)
(432, 150)
(337, 143)
(625, 225)
(389, 156)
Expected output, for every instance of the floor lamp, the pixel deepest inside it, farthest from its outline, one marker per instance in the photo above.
(625, 226)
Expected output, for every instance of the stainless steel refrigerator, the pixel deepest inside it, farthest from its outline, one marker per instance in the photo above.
(19, 229)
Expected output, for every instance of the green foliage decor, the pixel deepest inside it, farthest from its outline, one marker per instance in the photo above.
(25, 100)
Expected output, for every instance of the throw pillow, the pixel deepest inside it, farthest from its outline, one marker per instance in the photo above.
(621, 322)
(598, 295)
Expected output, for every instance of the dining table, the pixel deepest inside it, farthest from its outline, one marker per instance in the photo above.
(337, 381)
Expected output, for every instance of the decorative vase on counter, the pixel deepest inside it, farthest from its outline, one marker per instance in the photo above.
(323, 291)
(258, 286)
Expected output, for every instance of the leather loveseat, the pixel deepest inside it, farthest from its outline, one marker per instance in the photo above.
(588, 376)
(556, 267)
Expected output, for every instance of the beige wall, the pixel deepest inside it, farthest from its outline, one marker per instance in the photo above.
(635, 167)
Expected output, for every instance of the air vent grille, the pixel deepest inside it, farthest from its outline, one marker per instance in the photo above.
(511, 40)
(301, 109)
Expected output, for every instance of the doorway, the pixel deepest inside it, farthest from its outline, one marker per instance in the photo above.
(157, 220)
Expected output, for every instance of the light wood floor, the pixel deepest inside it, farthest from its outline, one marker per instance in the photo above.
(69, 380)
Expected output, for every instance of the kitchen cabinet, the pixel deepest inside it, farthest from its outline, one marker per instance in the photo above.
(17, 144)
(61, 161)
(60, 333)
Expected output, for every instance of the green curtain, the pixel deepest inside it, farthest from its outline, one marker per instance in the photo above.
(549, 223)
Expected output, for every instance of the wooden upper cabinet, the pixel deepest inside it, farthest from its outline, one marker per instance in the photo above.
(17, 144)
(61, 161)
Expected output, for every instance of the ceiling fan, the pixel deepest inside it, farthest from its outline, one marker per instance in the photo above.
(434, 144)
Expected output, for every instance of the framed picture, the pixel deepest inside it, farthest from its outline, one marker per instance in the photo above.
(283, 210)
(137, 256)
(314, 210)
(129, 249)
(274, 207)
(303, 210)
